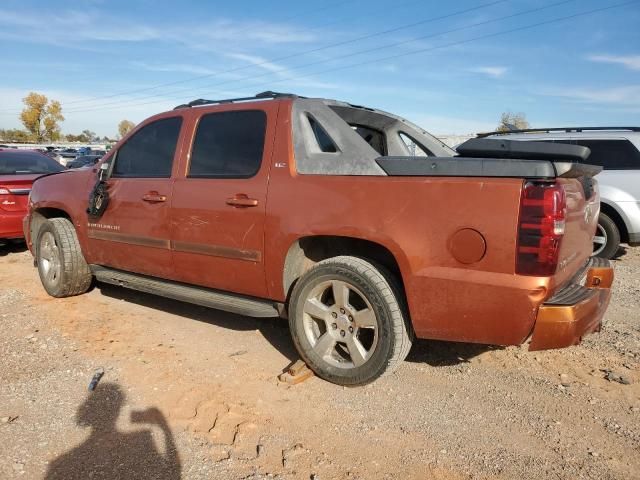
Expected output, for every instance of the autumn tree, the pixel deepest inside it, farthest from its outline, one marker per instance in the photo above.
(512, 121)
(124, 127)
(89, 135)
(41, 117)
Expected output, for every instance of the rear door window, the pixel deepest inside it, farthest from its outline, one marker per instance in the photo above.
(149, 152)
(228, 145)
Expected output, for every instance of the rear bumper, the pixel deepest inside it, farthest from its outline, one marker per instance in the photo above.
(11, 224)
(575, 311)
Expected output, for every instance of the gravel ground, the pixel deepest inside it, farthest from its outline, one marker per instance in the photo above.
(193, 393)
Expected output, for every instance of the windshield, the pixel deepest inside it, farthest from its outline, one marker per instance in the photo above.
(24, 163)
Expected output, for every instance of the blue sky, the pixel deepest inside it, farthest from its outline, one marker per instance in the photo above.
(102, 59)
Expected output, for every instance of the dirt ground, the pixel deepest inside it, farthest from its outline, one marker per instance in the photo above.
(193, 393)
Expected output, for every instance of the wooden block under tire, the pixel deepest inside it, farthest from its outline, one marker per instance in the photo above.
(296, 373)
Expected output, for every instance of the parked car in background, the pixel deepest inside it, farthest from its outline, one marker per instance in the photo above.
(83, 161)
(316, 209)
(67, 154)
(617, 151)
(18, 170)
(55, 155)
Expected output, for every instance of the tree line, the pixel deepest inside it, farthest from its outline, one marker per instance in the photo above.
(42, 117)
(42, 120)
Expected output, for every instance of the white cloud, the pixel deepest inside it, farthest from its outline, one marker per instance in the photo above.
(627, 96)
(258, 62)
(173, 67)
(98, 27)
(289, 77)
(631, 62)
(226, 30)
(491, 71)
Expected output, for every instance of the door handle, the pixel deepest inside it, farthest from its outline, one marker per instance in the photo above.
(242, 201)
(154, 197)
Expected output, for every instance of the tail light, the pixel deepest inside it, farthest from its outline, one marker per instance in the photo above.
(4, 198)
(543, 209)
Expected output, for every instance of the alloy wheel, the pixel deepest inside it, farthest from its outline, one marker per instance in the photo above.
(340, 324)
(50, 261)
(599, 240)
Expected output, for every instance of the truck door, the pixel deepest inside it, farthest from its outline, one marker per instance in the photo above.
(219, 199)
(133, 233)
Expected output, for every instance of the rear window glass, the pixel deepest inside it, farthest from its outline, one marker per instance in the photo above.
(375, 138)
(228, 144)
(324, 141)
(27, 163)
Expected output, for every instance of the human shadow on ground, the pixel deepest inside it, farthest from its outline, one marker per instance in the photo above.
(274, 330)
(112, 454)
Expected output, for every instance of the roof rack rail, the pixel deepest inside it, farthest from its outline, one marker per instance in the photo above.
(260, 96)
(557, 129)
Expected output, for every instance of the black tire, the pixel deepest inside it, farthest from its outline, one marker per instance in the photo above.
(608, 229)
(376, 329)
(62, 268)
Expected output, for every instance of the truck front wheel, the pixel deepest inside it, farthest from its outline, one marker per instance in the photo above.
(62, 268)
(348, 321)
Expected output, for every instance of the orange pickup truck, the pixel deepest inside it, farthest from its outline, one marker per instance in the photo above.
(355, 224)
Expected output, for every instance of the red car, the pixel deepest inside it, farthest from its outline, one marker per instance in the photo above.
(18, 170)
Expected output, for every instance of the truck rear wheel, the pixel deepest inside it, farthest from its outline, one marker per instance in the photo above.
(348, 321)
(62, 268)
(607, 238)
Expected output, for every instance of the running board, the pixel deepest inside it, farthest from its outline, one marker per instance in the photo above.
(229, 302)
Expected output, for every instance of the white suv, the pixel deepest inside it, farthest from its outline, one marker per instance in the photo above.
(617, 150)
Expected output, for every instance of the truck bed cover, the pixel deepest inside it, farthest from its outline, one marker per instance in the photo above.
(482, 157)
